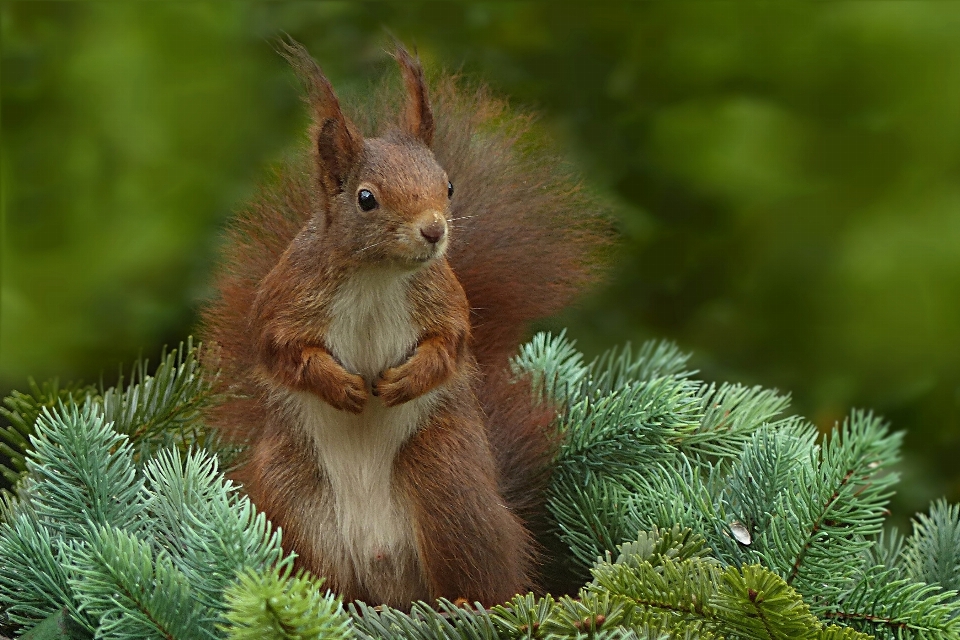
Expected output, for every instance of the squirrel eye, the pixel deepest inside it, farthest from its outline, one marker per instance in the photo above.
(366, 200)
(449, 189)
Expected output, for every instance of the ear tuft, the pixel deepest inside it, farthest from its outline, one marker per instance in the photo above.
(337, 142)
(417, 119)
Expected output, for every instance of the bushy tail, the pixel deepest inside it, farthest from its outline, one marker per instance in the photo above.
(253, 244)
(526, 240)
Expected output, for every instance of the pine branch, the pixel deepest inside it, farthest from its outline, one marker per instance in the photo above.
(446, 622)
(755, 528)
(22, 410)
(207, 528)
(671, 592)
(670, 578)
(755, 602)
(154, 411)
(82, 473)
(637, 449)
(881, 603)
(89, 534)
(886, 554)
(592, 614)
(620, 367)
(554, 366)
(559, 375)
(638, 422)
(932, 553)
(523, 617)
(837, 502)
(731, 415)
(275, 605)
(133, 593)
(164, 409)
(591, 520)
(34, 584)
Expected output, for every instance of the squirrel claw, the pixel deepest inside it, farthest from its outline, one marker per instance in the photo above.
(321, 374)
(389, 389)
(354, 395)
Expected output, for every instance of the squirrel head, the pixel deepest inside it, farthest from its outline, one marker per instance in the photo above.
(384, 200)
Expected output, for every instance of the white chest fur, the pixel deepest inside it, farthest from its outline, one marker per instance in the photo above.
(368, 531)
(371, 328)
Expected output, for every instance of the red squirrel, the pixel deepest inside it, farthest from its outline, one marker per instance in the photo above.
(366, 311)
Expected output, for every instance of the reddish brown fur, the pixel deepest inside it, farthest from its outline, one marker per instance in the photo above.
(475, 550)
(418, 114)
(523, 238)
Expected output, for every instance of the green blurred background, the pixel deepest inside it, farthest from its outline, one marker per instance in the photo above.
(785, 178)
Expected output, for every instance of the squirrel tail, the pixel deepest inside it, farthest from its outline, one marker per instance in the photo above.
(526, 240)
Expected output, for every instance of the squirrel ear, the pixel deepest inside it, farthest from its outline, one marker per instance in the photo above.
(417, 116)
(337, 142)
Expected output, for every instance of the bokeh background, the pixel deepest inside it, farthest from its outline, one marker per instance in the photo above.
(785, 178)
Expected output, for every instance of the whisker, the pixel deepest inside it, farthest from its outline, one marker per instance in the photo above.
(370, 246)
(460, 218)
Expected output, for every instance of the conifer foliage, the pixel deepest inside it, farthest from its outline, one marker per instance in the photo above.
(686, 510)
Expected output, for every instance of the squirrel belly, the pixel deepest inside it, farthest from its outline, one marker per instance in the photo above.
(360, 527)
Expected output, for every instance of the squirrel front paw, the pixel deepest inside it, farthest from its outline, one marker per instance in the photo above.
(339, 388)
(352, 396)
(394, 386)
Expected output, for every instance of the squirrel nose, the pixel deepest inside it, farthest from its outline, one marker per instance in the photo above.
(433, 232)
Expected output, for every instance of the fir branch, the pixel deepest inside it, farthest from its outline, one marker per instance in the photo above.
(932, 552)
(731, 415)
(886, 552)
(644, 446)
(554, 366)
(590, 615)
(164, 409)
(620, 367)
(154, 411)
(680, 492)
(834, 632)
(671, 582)
(756, 603)
(58, 626)
(882, 604)
(530, 618)
(523, 617)
(423, 622)
(629, 426)
(207, 528)
(752, 492)
(133, 593)
(591, 520)
(22, 410)
(82, 473)
(267, 605)
(34, 584)
(559, 375)
(836, 502)
(657, 546)
(671, 592)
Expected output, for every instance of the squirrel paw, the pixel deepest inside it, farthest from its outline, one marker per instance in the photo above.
(339, 388)
(393, 387)
(352, 396)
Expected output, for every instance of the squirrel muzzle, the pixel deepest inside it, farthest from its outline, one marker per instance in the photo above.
(431, 236)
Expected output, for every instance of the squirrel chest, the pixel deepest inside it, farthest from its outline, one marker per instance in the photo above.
(367, 531)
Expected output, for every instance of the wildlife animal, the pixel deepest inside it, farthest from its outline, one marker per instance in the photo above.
(368, 304)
